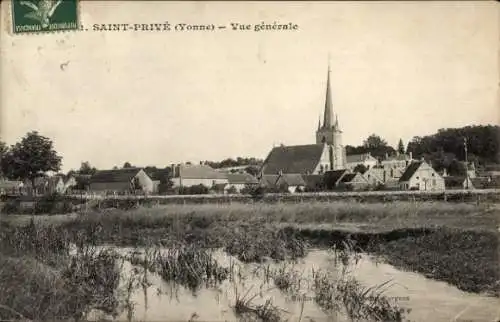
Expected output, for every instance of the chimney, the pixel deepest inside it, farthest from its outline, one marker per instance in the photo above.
(172, 168)
(411, 155)
(386, 155)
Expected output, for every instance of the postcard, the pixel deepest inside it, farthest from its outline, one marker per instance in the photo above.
(249, 161)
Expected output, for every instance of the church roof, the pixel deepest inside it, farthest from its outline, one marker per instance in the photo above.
(293, 159)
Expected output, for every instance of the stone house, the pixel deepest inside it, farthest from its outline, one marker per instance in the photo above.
(419, 175)
(121, 181)
(187, 175)
(241, 181)
(365, 159)
(353, 181)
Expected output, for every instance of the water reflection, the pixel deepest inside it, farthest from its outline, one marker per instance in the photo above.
(427, 300)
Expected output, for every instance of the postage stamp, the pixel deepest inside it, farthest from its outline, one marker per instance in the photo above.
(44, 15)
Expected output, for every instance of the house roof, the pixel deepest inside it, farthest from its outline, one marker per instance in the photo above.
(410, 170)
(348, 177)
(396, 157)
(353, 158)
(269, 180)
(378, 173)
(293, 159)
(333, 177)
(159, 174)
(486, 182)
(241, 178)
(199, 171)
(291, 179)
(119, 175)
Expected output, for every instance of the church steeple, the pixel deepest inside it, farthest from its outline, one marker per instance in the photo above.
(328, 115)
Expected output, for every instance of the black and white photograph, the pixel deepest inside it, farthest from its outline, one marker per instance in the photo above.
(274, 161)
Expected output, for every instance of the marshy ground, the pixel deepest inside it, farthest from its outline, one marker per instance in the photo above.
(452, 242)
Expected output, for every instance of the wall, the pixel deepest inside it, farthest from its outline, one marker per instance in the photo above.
(145, 181)
(188, 182)
(324, 161)
(426, 178)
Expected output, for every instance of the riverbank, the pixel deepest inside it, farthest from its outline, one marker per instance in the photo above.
(453, 242)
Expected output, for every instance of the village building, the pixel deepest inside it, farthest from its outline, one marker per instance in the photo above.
(353, 181)
(396, 161)
(419, 175)
(289, 182)
(333, 178)
(314, 182)
(366, 159)
(328, 153)
(375, 176)
(241, 181)
(9, 187)
(121, 181)
(188, 175)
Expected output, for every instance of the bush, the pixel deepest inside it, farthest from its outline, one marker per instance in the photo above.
(53, 204)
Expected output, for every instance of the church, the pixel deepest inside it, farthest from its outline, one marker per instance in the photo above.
(326, 154)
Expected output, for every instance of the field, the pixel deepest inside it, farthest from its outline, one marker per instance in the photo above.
(452, 242)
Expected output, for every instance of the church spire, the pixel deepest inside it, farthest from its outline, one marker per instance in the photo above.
(328, 116)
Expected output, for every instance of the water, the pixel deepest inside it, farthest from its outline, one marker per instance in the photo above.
(429, 300)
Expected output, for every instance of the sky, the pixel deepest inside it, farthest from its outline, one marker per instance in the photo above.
(155, 98)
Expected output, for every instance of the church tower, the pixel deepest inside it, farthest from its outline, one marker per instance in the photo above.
(329, 133)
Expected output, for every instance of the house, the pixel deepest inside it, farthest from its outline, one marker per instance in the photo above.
(485, 182)
(283, 182)
(375, 176)
(419, 175)
(241, 181)
(45, 185)
(333, 178)
(187, 175)
(314, 182)
(458, 182)
(121, 181)
(396, 161)
(353, 181)
(8, 187)
(159, 177)
(365, 159)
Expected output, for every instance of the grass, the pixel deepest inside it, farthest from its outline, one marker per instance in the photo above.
(453, 242)
(186, 265)
(467, 259)
(41, 280)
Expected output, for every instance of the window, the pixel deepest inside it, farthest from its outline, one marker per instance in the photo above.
(433, 174)
(433, 181)
(417, 178)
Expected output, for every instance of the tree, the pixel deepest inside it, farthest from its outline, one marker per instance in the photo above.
(32, 157)
(253, 170)
(374, 142)
(377, 146)
(401, 147)
(86, 168)
(127, 165)
(3, 165)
